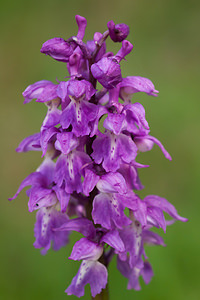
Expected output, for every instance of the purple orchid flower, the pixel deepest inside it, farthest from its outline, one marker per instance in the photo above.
(87, 182)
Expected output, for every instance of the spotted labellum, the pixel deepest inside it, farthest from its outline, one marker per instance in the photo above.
(88, 180)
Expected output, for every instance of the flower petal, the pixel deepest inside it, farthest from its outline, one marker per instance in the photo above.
(46, 220)
(81, 225)
(92, 272)
(30, 143)
(86, 249)
(112, 183)
(36, 179)
(162, 203)
(108, 212)
(112, 238)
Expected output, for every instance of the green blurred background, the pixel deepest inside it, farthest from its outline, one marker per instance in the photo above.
(165, 35)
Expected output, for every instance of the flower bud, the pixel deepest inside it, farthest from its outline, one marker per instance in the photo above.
(107, 71)
(58, 49)
(117, 32)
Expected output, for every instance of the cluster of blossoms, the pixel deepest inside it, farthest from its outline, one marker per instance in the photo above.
(88, 179)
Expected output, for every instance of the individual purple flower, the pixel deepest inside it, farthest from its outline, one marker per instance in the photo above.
(118, 32)
(58, 49)
(111, 150)
(79, 113)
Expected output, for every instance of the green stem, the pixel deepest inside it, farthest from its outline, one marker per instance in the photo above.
(104, 295)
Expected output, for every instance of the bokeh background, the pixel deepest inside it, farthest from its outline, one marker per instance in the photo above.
(165, 35)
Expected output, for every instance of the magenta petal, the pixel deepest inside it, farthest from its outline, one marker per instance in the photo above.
(132, 239)
(162, 203)
(41, 197)
(63, 197)
(114, 123)
(82, 23)
(134, 84)
(36, 179)
(112, 183)
(47, 169)
(43, 91)
(112, 238)
(81, 225)
(49, 93)
(31, 143)
(90, 181)
(80, 89)
(108, 212)
(156, 218)
(46, 138)
(147, 272)
(166, 154)
(52, 117)
(146, 143)
(128, 149)
(141, 212)
(62, 91)
(131, 273)
(85, 249)
(46, 220)
(92, 272)
(125, 50)
(135, 118)
(152, 238)
(94, 123)
(107, 71)
(66, 142)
